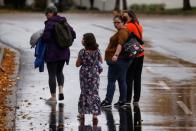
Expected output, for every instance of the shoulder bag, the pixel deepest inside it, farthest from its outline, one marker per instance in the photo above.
(133, 46)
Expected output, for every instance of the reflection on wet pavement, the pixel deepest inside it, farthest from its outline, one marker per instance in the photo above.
(83, 127)
(129, 120)
(53, 124)
(168, 101)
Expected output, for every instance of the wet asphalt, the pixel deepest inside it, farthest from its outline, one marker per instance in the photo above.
(168, 80)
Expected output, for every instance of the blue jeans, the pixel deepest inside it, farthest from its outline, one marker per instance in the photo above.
(117, 72)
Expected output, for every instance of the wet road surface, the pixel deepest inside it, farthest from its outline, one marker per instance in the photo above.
(168, 80)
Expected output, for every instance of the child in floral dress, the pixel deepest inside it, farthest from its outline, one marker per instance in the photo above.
(89, 58)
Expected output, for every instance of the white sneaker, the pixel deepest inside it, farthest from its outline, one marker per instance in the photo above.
(51, 101)
(128, 103)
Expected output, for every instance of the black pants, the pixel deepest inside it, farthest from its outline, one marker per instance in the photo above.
(134, 73)
(55, 72)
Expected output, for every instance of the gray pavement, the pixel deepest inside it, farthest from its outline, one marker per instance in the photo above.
(168, 80)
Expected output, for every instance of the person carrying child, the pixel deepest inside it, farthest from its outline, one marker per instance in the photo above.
(89, 60)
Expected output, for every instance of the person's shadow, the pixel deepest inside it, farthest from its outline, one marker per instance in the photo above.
(83, 127)
(88, 128)
(109, 119)
(129, 120)
(137, 118)
(53, 124)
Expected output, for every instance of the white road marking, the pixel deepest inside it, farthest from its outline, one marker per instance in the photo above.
(149, 69)
(184, 108)
(165, 128)
(164, 85)
(151, 83)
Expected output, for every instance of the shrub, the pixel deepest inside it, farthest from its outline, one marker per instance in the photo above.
(40, 5)
(148, 8)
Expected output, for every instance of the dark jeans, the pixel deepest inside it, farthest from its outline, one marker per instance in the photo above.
(110, 120)
(134, 73)
(55, 71)
(117, 72)
(129, 121)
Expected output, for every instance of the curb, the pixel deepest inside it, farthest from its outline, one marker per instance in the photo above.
(12, 99)
(1, 54)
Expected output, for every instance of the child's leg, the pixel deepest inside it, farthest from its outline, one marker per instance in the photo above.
(95, 120)
(81, 116)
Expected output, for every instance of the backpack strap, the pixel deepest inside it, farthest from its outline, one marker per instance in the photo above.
(138, 30)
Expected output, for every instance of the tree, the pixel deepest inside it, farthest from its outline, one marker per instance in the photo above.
(15, 3)
(91, 4)
(40, 4)
(186, 5)
(124, 4)
(117, 5)
(80, 2)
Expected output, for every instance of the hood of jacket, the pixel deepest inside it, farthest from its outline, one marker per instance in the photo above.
(56, 18)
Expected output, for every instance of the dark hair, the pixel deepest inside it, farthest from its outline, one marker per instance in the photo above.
(116, 12)
(51, 9)
(90, 41)
(119, 17)
(132, 14)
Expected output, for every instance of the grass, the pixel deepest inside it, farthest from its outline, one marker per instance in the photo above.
(160, 9)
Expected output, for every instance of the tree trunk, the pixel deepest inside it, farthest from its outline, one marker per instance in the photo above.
(186, 5)
(80, 2)
(117, 5)
(15, 3)
(124, 4)
(91, 4)
(40, 4)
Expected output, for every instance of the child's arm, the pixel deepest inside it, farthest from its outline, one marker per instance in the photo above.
(101, 59)
(78, 62)
(100, 68)
(79, 59)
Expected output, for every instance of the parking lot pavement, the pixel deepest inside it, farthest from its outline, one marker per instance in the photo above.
(168, 80)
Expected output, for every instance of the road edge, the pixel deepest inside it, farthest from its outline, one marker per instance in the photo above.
(12, 98)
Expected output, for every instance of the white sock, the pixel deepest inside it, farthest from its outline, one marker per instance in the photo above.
(53, 96)
(60, 89)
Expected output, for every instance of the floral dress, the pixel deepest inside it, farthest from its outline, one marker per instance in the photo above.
(89, 100)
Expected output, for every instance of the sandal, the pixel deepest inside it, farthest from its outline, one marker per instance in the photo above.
(80, 116)
(95, 120)
(50, 101)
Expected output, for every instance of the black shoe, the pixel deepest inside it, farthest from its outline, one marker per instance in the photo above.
(61, 96)
(136, 103)
(105, 104)
(128, 103)
(119, 104)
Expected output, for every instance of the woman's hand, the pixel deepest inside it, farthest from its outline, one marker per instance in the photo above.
(78, 62)
(114, 58)
(117, 52)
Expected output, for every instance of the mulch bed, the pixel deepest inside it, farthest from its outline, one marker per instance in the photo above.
(7, 68)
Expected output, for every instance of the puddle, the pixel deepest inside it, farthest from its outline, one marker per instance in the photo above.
(157, 58)
(174, 71)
